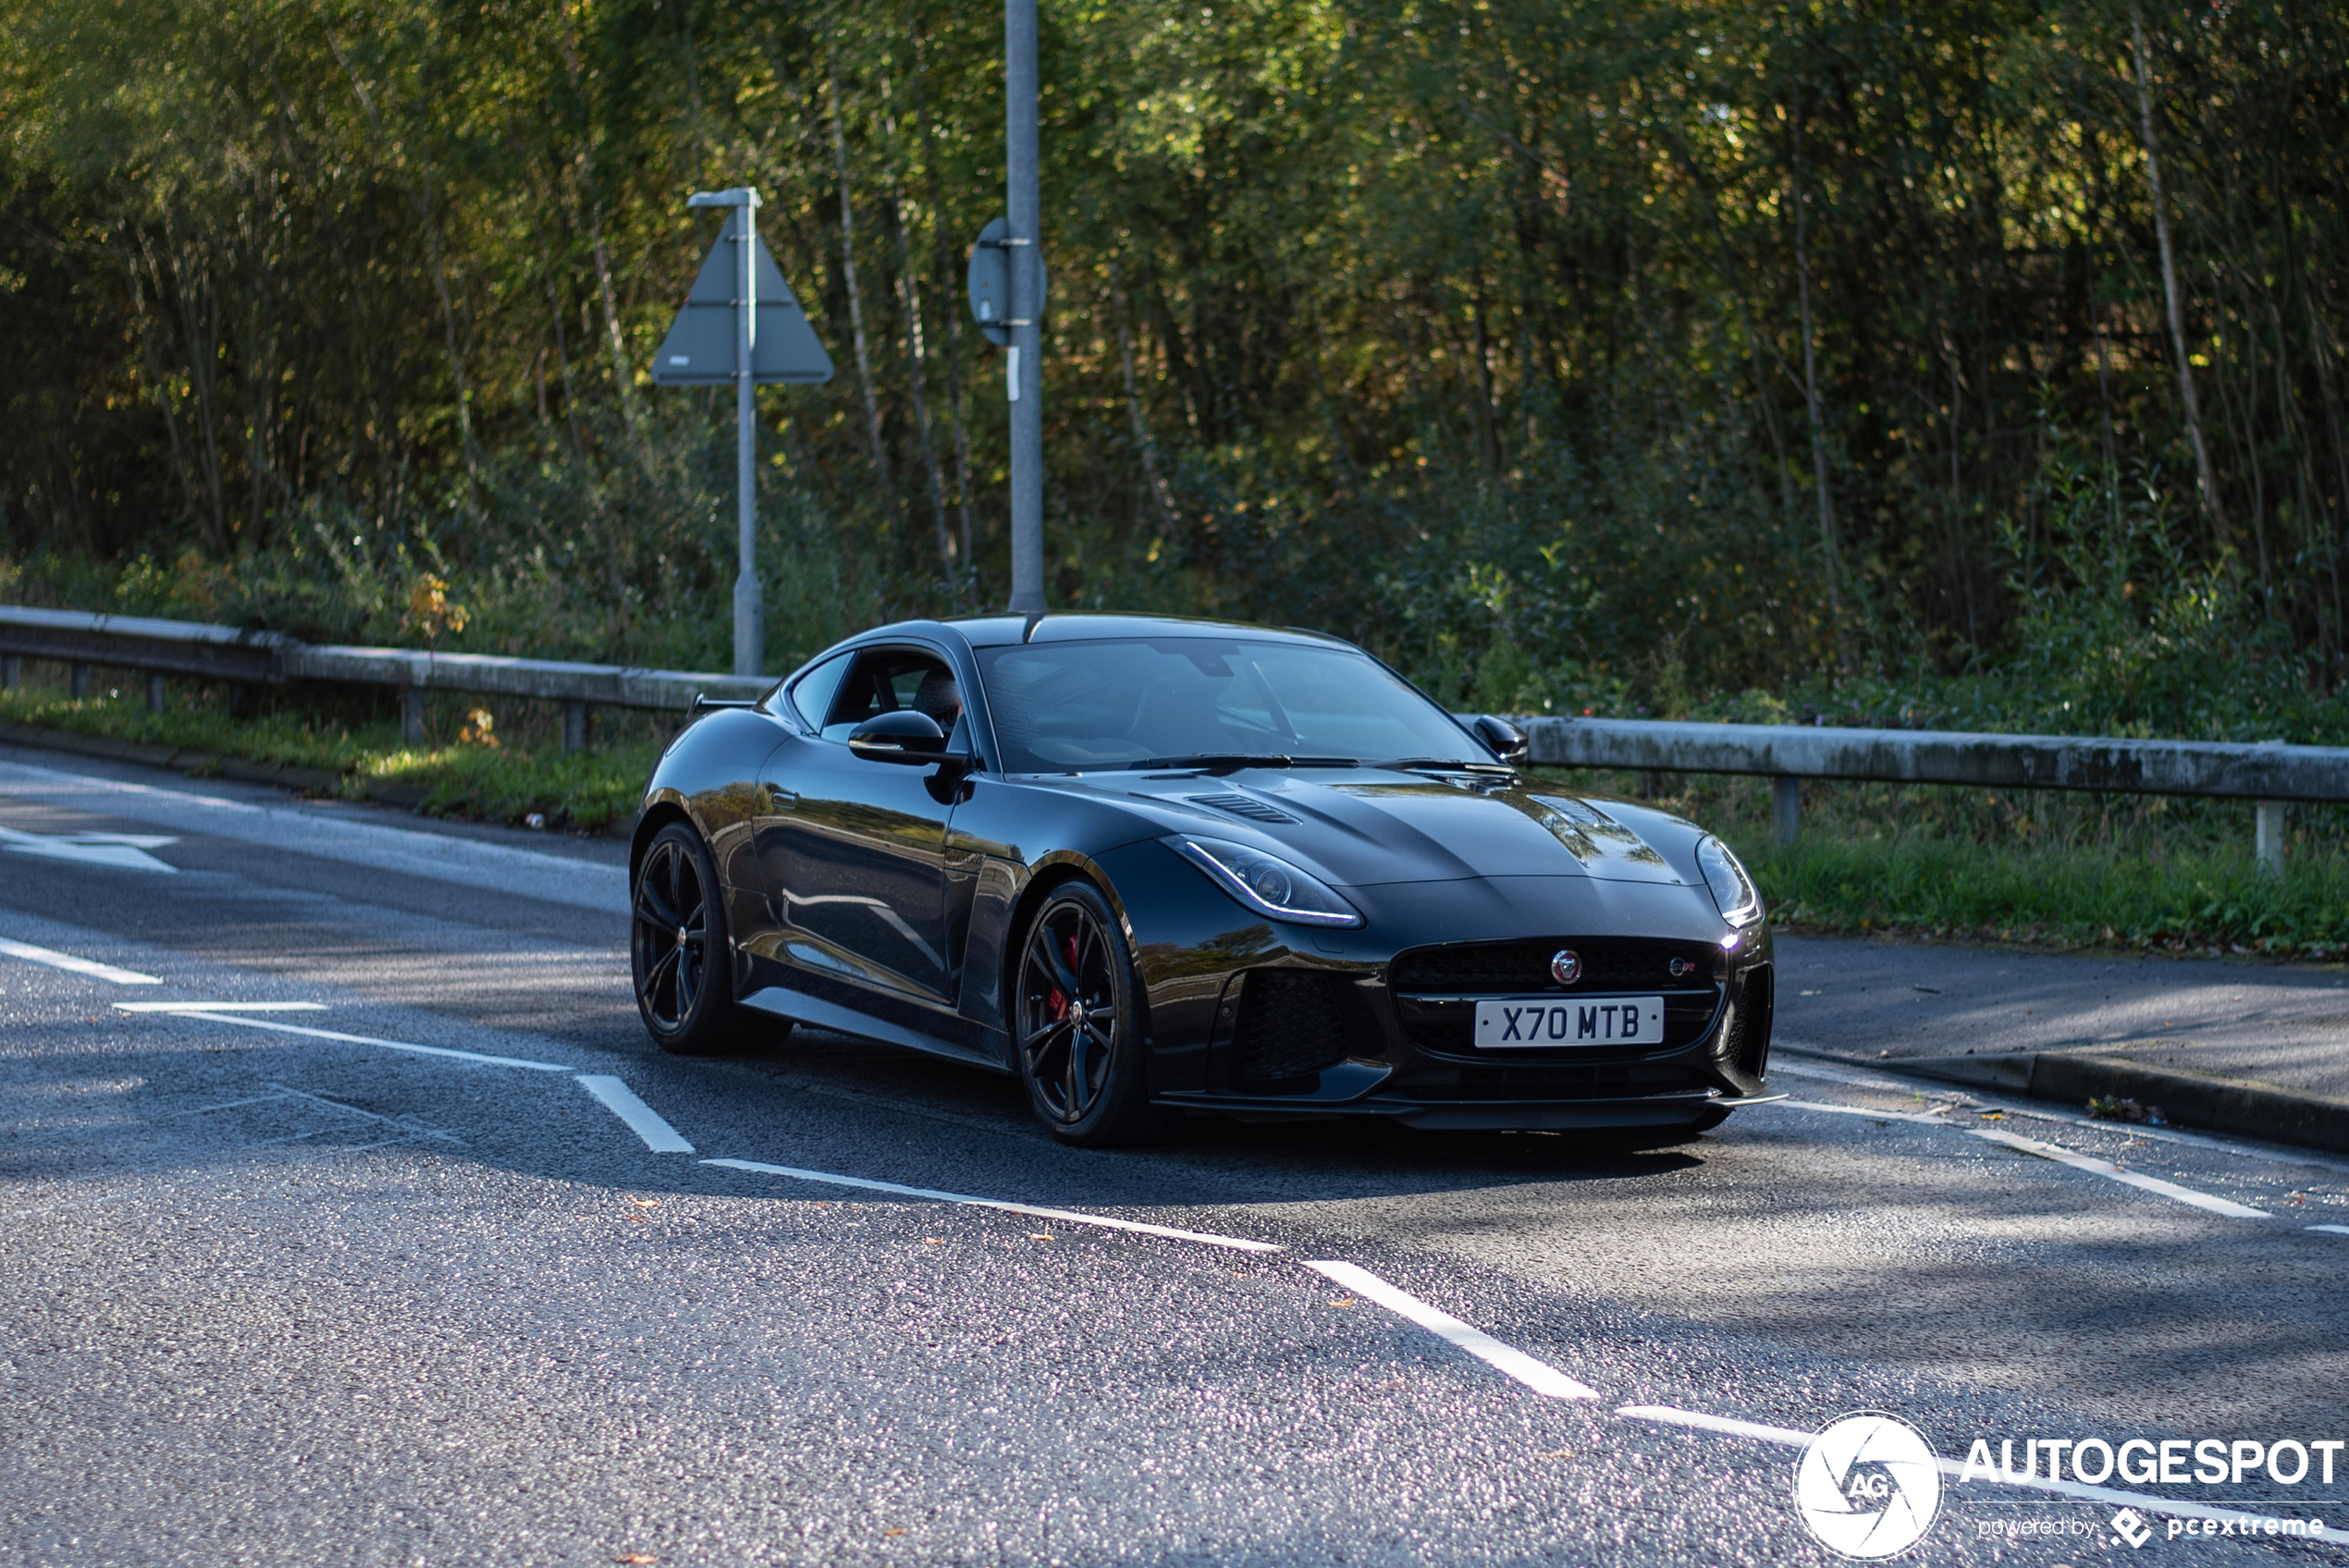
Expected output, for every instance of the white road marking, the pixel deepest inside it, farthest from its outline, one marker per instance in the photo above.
(1790, 1437)
(73, 965)
(371, 1040)
(220, 1007)
(1928, 1118)
(2334, 1230)
(828, 1178)
(283, 827)
(642, 1119)
(124, 851)
(1834, 1075)
(2110, 1171)
(1539, 1376)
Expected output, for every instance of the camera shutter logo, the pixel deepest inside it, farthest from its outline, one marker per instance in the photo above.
(1868, 1486)
(2131, 1527)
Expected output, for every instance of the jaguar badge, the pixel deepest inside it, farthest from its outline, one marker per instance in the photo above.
(1565, 966)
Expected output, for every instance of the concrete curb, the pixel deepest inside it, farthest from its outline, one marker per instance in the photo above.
(206, 765)
(2200, 1100)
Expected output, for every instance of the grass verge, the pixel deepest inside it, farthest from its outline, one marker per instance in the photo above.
(467, 768)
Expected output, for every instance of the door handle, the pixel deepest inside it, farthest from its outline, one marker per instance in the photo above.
(780, 800)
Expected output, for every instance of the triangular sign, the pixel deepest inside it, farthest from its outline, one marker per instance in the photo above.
(699, 351)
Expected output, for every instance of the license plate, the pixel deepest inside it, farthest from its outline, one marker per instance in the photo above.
(1508, 1022)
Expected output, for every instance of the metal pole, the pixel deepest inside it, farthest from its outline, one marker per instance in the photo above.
(1024, 373)
(750, 630)
(1786, 809)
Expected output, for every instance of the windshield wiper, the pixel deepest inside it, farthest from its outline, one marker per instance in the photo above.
(1454, 763)
(1229, 762)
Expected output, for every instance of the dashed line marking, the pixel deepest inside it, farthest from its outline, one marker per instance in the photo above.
(337, 1035)
(1924, 1118)
(220, 1007)
(642, 1119)
(73, 965)
(828, 1178)
(2112, 1173)
(1510, 1362)
(2333, 1229)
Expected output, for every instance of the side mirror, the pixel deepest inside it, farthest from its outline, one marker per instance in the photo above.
(1506, 740)
(905, 736)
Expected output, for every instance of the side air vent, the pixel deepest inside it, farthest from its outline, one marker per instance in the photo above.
(1580, 812)
(1291, 1027)
(1242, 805)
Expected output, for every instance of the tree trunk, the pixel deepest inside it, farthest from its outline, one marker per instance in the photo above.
(953, 317)
(1811, 388)
(2209, 481)
(855, 300)
(910, 282)
(1142, 442)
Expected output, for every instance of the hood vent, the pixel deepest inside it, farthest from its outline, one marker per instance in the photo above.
(1242, 805)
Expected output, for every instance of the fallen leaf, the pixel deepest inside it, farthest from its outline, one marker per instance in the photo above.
(892, 1532)
(1347, 1301)
(638, 1558)
(934, 1241)
(1037, 1236)
(645, 1203)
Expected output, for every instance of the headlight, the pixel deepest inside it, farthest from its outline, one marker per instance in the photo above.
(1732, 888)
(1266, 884)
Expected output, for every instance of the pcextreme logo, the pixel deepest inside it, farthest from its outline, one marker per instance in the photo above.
(1868, 1486)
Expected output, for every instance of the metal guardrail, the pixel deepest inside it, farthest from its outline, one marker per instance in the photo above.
(2269, 773)
(164, 648)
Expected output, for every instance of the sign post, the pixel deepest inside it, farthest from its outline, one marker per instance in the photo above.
(1024, 372)
(741, 323)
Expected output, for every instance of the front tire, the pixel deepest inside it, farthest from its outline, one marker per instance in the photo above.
(1077, 1022)
(677, 951)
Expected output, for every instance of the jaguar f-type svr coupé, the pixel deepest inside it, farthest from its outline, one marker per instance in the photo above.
(1155, 865)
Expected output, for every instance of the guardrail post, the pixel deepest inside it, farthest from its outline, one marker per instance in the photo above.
(574, 727)
(2267, 834)
(1786, 809)
(158, 691)
(78, 682)
(11, 673)
(411, 715)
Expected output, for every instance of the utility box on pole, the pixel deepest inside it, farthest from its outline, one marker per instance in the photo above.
(741, 323)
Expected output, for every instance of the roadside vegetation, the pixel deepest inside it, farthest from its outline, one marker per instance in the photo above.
(502, 764)
(1980, 367)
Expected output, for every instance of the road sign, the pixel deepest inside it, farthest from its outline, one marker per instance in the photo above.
(699, 351)
(990, 282)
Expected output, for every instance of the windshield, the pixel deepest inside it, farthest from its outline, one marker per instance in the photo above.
(1061, 707)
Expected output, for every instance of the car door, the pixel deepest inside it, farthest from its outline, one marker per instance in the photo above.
(853, 853)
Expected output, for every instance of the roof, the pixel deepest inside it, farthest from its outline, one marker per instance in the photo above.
(998, 630)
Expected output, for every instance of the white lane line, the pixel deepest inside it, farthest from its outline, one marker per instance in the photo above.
(1539, 1376)
(371, 1040)
(2110, 1171)
(73, 965)
(220, 1007)
(642, 1119)
(1832, 1075)
(828, 1178)
(2334, 1230)
(1788, 1436)
(1928, 1118)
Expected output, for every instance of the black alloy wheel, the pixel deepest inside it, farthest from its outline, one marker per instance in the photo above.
(1077, 1022)
(677, 944)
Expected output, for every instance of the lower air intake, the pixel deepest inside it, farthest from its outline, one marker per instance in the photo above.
(1291, 1025)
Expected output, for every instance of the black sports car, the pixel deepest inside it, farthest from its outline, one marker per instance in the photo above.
(1156, 865)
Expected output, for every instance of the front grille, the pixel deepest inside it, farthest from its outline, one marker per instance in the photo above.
(1617, 1081)
(1433, 987)
(1292, 1024)
(1523, 968)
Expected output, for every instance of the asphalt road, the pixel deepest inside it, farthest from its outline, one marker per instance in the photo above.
(386, 1276)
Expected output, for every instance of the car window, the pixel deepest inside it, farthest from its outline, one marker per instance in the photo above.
(811, 694)
(884, 680)
(1064, 707)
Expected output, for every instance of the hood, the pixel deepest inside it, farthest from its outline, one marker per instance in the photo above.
(1367, 826)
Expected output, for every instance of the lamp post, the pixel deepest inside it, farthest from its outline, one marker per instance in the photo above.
(1024, 372)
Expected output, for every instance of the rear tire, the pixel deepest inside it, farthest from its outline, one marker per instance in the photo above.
(680, 957)
(1076, 1023)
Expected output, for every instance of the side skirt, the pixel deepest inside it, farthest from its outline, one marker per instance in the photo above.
(801, 1008)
